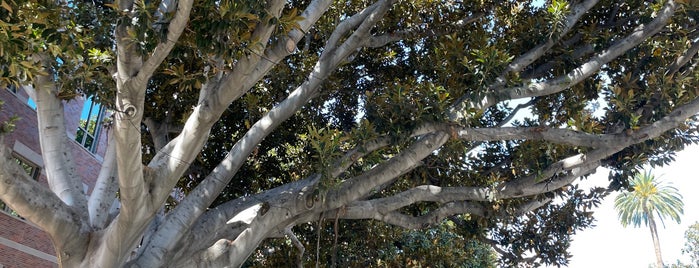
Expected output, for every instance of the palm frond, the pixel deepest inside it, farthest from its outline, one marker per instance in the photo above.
(658, 199)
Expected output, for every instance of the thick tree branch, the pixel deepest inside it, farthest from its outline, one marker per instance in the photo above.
(361, 185)
(427, 193)
(214, 224)
(534, 89)
(420, 32)
(172, 160)
(567, 170)
(355, 154)
(368, 210)
(274, 210)
(42, 207)
(205, 193)
(58, 159)
(174, 30)
(555, 135)
(386, 209)
(264, 30)
(357, 38)
(532, 55)
(104, 192)
(216, 97)
(684, 59)
(552, 178)
(433, 217)
(295, 241)
(251, 68)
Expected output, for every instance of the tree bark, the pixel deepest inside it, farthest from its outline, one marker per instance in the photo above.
(86, 234)
(654, 235)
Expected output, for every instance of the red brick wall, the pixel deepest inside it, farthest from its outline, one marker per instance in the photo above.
(25, 233)
(18, 259)
(28, 235)
(26, 132)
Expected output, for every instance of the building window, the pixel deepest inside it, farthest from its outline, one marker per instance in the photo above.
(90, 122)
(12, 88)
(32, 170)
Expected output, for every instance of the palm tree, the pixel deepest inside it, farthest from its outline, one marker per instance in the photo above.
(648, 200)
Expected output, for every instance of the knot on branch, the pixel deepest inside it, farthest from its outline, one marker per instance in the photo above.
(290, 45)
(129, 110)
(312, 198)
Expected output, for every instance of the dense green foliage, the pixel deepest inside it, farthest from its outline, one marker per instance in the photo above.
(441, 246)
(691, 245)
(449, 52)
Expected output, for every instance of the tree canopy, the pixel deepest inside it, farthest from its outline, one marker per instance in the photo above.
(270, 119)
(691, 245)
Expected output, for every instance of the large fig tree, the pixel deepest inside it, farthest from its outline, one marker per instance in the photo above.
(472, 117)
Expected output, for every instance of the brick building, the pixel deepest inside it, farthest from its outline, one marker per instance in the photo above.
(23, 244)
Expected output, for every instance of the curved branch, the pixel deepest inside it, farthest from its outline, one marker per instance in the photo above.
(206, 192)
(433, 217)
(295, 241)
(595, 63)
(532, 55)
(274, 211)
(174, 30)
(372, 210)
(553, 178)
(534, 89)
(348, 25)
(213, 225)
(426, 193)
(42, 207)
(104, 192)
(355, 154)
(516, 110)
(683, 59)
(58, 159)
(555, 135)
(250, 70)
(567, 170)
(422, 31)
(361, 185)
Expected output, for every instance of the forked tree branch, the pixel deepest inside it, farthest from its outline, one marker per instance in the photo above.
(537, 52)
(162, 50)
(58, 160)
(42, 207)
(182, 217)
(533, 89)
(104, 192)
(420, 32)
